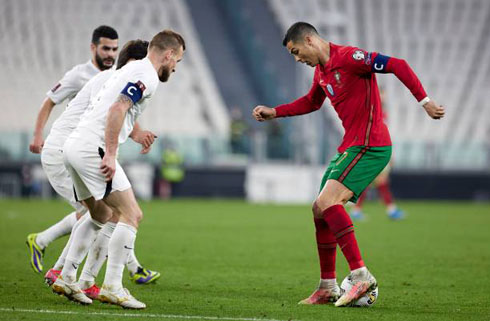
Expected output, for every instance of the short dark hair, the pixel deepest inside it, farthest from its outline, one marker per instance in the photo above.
(297, 32)
(167, 39)
(133, 49)
(103, 32)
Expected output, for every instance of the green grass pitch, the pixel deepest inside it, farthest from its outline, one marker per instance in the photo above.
(229, 260)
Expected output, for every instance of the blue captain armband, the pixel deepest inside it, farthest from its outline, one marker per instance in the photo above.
(379, 64)
(133, 91)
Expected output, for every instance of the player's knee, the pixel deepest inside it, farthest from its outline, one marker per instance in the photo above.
(323, 204)
(317, 213)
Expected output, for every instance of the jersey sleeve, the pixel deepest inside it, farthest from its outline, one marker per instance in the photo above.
(67, 87)
(312, 101)
(141, 85)
(362, 62)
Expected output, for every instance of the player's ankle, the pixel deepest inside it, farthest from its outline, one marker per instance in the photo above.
(85, 284)
(359, 271)
(327, 283)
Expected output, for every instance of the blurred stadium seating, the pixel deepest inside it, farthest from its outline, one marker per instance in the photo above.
(234, 61)
(446, 43)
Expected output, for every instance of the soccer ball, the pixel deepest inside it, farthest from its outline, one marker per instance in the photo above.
(366, 300)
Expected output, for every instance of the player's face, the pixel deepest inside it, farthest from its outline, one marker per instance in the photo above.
(303, 52)
(105, 53)
(171, 59)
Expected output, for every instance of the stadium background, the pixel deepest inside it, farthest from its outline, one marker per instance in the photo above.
(234, 61)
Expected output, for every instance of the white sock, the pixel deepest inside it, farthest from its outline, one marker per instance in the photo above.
(328, 283)
(82, 240)
(120, 246)
(96, 256)
(57, 230)
(133, 263)
(61, 260)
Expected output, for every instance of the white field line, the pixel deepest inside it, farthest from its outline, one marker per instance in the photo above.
(133, 315)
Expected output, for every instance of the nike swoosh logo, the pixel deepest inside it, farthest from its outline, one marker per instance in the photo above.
(74, 266)
(129, 248)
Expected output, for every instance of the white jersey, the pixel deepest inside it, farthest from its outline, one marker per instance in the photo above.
(138, 80)
(69, 119)
(72, 82)
(67, 88)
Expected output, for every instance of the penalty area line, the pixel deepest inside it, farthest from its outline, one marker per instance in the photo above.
(133, 315)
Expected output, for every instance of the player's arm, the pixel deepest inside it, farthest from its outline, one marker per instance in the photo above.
(304, 105)
(144, 137)
(401, 69)
(67, 87)
(41, 120)
(362, 62)
(114, 122)
(130, 95)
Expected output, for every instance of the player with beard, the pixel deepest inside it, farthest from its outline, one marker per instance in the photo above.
(90, 157)
(347, 76)
(104, 47)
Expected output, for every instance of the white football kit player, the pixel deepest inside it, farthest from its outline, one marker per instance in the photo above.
(84, 149)
(52, 156)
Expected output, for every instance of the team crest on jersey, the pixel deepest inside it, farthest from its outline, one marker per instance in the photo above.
(55, 88)
(358, 55)
(330, 89)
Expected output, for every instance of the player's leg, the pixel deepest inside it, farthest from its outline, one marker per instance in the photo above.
(382, 183)
(124, 205)
(53, 273)
(328, 290)
(96, 258)
(84, 237)
(356, 214)
(83, 163)
(347, 181)
(59, 178)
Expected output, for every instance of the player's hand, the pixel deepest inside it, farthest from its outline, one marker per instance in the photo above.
(433, 110)
(261, 113)
(108, 167)
(36, 145)
(146, 138)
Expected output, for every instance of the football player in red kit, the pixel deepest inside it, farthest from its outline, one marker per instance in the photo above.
(346, 75)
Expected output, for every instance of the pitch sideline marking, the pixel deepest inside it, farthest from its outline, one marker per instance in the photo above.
(135, 315)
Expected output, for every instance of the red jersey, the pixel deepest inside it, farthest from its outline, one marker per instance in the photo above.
(348, 79)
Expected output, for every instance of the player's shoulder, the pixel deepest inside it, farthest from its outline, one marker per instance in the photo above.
(80, 73)
(142, 71)
(350, 52)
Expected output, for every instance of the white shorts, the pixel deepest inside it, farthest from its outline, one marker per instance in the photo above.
(58, 176)
(83, 160)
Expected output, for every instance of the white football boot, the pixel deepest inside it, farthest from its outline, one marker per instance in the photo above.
(121, 297)
(71, 290)
(363, 281)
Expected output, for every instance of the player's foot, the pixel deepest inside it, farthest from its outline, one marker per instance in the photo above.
(144, 276)
(92, 292)
(396, 214)
(71, 290)
(36, 253)
(121, 297)
(51, 276)
(363, 281)
(357, 215)
(322, 296)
